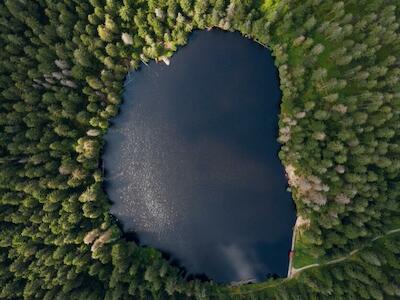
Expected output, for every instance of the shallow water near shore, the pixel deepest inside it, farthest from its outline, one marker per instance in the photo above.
(192, 160)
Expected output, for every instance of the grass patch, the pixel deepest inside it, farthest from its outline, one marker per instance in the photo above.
(265, 288)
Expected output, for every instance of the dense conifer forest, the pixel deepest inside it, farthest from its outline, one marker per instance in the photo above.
(62, 67)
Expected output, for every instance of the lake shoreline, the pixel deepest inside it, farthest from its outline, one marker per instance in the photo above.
(160, 138)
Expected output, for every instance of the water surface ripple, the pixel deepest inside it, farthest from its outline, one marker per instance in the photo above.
(192, 164)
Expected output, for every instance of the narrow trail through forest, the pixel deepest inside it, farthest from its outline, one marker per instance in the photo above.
(342, 258)
(294, 271)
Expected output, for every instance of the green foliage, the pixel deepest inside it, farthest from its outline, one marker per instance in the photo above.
(61, 69)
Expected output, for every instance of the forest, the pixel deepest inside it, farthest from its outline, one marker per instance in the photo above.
(62, 66)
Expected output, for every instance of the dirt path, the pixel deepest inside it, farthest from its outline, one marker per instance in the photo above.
(299, 222)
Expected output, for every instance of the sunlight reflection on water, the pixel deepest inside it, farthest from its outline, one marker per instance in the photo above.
(193, 168)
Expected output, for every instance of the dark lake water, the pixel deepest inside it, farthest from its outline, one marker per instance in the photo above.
(192, 160)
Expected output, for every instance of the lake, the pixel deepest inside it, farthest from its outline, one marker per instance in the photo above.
(192, 161)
